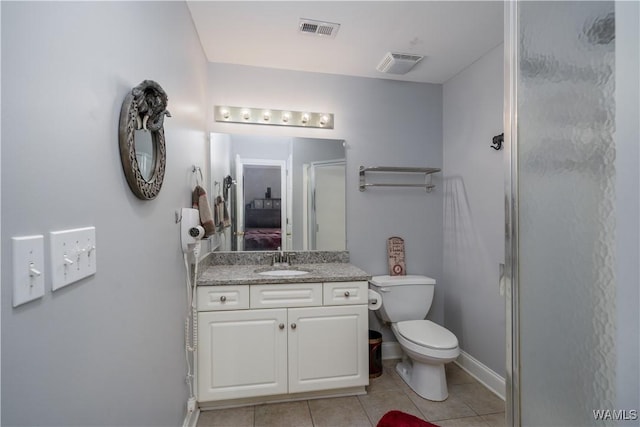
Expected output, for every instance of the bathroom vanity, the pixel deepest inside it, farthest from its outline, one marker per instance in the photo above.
(272, 333)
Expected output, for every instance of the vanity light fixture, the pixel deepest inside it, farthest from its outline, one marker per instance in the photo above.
(261, 116)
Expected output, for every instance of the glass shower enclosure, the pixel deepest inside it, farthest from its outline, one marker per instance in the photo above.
(571, 129)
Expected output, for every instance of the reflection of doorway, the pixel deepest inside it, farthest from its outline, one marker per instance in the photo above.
(326, 211)
(261, 201)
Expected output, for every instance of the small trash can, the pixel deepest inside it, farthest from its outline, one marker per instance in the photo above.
(375, 354)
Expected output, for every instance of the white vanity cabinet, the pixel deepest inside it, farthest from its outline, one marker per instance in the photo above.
(328, 348)
(291, 338)
(241, 354)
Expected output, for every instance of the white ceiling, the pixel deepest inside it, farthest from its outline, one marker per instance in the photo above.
(451, 34)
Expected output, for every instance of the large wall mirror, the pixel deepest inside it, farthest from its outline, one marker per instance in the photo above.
(279, 192)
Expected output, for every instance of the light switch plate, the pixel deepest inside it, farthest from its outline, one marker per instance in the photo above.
(73, 255)
(28, 268)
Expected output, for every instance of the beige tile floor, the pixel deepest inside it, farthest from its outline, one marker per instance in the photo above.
(469, 405)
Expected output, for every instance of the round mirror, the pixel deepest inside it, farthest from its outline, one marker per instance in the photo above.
(145, 153)
(141, 138)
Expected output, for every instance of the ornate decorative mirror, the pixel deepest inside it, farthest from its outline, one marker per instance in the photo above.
(141, 138)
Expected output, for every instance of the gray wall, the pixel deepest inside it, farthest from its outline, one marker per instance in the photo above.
(252, 147)
(107, 350)
(384, 123)
(474, 210)
(257, 179)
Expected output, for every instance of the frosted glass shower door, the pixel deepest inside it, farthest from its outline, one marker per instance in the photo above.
(563, 210)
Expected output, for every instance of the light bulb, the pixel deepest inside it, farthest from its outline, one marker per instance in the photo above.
(305, 118)
(246, 114)
(266, 116)
(225, 113)
(286, 117)
(324, 120)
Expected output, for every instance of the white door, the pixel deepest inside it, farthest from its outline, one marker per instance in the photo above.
(239, 213)
(242, 354)
(329, 207)
(328, 348)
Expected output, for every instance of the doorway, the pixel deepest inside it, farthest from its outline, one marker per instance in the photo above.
(261, 204)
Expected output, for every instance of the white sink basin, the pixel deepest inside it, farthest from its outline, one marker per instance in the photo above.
(283, 273)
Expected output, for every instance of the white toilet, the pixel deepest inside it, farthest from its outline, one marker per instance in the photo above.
(406, 300)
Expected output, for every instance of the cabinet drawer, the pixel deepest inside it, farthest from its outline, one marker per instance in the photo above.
(213, 298)
(345, 293)
(286, 295)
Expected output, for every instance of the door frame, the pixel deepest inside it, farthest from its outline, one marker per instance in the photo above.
(284, 196)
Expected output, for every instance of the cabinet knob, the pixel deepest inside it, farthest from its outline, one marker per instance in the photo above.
(223, 298)
(281, 326)
(293, 326)
(346, 294)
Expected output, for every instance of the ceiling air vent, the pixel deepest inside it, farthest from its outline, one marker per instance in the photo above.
(318, 28)
(398, 63)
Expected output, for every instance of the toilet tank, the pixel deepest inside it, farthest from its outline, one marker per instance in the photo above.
(403, 297)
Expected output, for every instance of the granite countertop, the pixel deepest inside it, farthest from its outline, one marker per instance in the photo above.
(216, 275)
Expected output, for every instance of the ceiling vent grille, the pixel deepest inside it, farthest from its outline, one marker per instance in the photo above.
(318, 28)
(398, 63)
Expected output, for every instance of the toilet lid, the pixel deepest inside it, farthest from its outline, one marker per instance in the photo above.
(427, 334)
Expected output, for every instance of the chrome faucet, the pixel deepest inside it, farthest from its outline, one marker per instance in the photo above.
(282, 258)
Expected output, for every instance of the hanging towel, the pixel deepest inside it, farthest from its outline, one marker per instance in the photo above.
(200, 201)
(221, 214)
(226, 219)
(218, 213)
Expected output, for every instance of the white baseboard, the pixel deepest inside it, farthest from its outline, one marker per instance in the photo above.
(482, 373)
(191, 419)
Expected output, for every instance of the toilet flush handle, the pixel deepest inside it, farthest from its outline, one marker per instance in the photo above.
(384, 290)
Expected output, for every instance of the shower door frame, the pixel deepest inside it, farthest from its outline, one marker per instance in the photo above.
(510, 273)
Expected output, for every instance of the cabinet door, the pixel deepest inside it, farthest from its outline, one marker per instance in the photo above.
(328, 347)
(242, 354)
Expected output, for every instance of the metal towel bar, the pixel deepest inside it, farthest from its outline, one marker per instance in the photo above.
(428, 186)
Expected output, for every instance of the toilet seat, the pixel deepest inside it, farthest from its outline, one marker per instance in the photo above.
(427, 334)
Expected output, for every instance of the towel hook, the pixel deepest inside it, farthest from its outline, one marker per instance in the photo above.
(497, 141)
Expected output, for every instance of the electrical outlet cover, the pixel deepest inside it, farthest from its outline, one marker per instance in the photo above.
(28, 268)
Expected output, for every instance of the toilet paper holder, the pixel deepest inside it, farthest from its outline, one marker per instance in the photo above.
(375, 300)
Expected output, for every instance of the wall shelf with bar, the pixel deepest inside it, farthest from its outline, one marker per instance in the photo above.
(428, 185)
